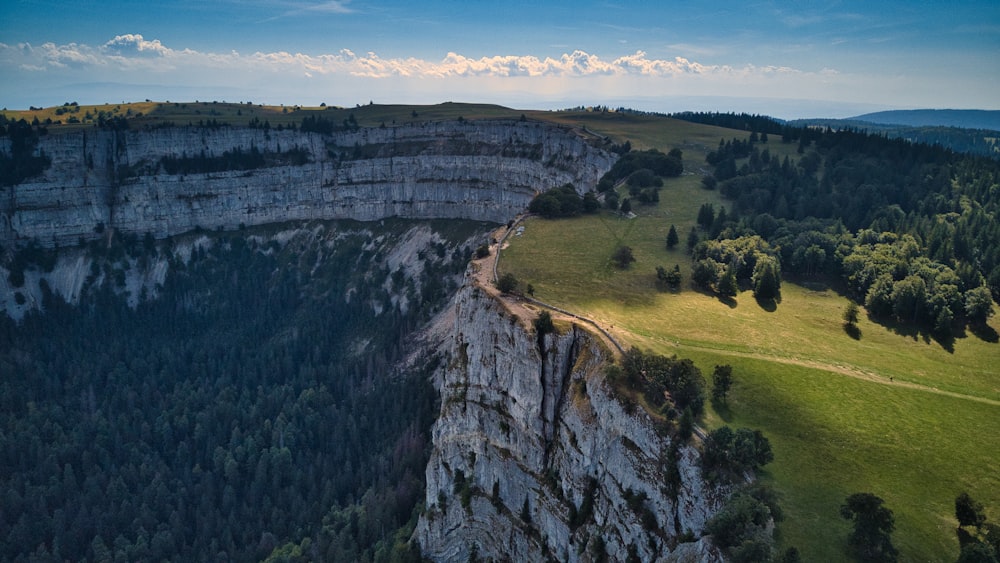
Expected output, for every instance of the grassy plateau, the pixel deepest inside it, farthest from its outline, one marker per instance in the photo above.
(892, 413)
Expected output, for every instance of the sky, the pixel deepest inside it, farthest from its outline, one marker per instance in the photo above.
(789, 59)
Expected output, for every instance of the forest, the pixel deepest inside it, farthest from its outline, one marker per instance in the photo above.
(276, 419)
(910, 229)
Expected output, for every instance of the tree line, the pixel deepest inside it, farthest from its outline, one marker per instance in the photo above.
(235, 159)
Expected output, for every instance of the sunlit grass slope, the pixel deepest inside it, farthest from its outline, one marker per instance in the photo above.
(893, 413)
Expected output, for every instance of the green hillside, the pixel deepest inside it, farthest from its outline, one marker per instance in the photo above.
(893, 412)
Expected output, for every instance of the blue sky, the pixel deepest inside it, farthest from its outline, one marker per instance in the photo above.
(787, 59)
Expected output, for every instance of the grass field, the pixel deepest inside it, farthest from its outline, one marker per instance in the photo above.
(837, 422)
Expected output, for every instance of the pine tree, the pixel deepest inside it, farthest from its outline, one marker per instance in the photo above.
(672, 238)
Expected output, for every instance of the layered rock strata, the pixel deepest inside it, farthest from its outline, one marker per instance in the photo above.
(121, 180)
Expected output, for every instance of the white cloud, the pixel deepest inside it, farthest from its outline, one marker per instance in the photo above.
(133, 51)
(330, 6)
(134, 44)
(51, 73)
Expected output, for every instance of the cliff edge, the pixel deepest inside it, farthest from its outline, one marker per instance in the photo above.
(172, 180)
(534, 458)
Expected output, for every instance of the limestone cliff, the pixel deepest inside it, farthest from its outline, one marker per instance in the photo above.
(484, 170)
(535, 458)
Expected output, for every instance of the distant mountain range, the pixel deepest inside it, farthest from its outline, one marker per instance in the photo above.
(964, 118)
(967, 131)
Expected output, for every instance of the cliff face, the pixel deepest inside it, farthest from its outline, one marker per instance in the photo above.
(117, 179)
(534, 457)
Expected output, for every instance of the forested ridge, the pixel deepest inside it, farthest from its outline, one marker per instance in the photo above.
(910, 228)
(256, 406)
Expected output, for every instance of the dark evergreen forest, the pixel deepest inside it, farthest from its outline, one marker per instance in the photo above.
(256, 407)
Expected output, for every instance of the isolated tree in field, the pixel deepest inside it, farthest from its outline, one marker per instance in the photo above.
(851, 313)
(722, 381)
(870, 540)
(968, 512)
(672, 238)
(670, 279)
(623, 257)
(626, 206)
(507, 283)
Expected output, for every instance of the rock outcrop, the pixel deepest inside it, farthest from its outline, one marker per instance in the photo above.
(534, 456)
(121, 180)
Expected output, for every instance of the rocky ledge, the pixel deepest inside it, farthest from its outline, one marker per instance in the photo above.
(173, 180)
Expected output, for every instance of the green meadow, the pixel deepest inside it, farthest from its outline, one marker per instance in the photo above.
(892, 412)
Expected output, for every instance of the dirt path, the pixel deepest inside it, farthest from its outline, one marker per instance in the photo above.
(846, 370)
(521, 306)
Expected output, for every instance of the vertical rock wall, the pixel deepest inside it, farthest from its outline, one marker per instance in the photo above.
(484, 170)
(535, 458)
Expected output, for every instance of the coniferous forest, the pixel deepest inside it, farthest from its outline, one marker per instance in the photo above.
(256, 407)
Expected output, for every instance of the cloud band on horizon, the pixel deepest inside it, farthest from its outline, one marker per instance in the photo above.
(134, 52)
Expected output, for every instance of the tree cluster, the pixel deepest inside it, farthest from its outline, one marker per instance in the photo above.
(669, 279)
(723, 265)
(658, 164)
(563, 201)
(21, 162)
(741, 528)
(892, 277)
(655, 374)
(728, 454)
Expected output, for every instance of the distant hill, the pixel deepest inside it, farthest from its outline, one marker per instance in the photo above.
(964, 118)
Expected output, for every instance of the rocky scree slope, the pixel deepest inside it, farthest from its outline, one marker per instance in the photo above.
(535, 458)
(175, 179)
